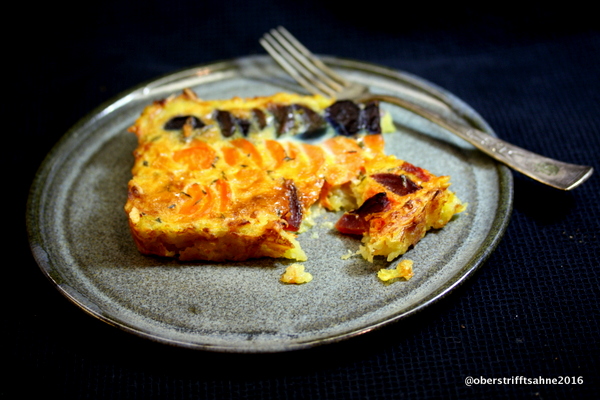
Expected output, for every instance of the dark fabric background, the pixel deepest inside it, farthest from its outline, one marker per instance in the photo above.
(532, 71)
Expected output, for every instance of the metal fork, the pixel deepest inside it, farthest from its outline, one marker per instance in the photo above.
(312, 74)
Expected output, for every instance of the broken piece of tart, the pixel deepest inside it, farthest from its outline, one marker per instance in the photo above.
(235, 179)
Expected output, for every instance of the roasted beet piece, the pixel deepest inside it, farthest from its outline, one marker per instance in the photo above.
(177, 123)
(260, 118)
(399, 184)
(226, 122)
(344, 116)
(297, 119)
(293, 216)
(355, 222)
(284, 118)
(417, 171)
(352, 224)
(244, 126)
(348, 118)
(370, 118)
(373, 204)
(229, 123)
(312, 123)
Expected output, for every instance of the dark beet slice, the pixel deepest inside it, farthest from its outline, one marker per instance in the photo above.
(229, 123)
(370, 118)
(312, 122)
(284, 118)
(177, 123)
(373, 204)
(226, 122)
(355, 222)
(417, 171)
(399, 184)
(352, 224)
(293, 216)
(260, 118)
(244, 126)
(344, 116)
(297, 119)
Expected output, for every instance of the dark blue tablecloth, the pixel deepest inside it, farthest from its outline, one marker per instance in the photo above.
(531, 310)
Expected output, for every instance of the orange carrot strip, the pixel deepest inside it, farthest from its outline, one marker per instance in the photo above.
(348, 159)
(199, 201)
(231, 155)
(277, 152)
(316, 156)
(200, 156)
(224, 192)
(248, 148)
(375, 143)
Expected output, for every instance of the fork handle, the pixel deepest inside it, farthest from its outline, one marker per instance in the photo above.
(546, 170)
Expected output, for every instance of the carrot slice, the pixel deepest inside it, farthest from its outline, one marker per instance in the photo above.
(200, 156)
(198, 202)
(316, 156)
(231, 155)
(249, 149)
(224, 192)
(375, 143)
(277, 152)
(348, 159)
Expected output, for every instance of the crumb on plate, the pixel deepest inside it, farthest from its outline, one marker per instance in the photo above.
(348, 255)
(295, 274)
(402, 270)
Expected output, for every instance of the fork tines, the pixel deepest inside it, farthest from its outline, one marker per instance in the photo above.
(310, 72)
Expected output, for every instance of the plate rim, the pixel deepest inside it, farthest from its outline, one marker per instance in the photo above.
(497, 227)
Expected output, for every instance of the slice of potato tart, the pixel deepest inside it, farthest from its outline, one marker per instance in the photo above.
(235, 179)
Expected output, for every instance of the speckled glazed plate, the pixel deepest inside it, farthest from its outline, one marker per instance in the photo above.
(80, 237)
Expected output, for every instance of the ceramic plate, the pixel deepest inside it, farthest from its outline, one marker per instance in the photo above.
(80, 237)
